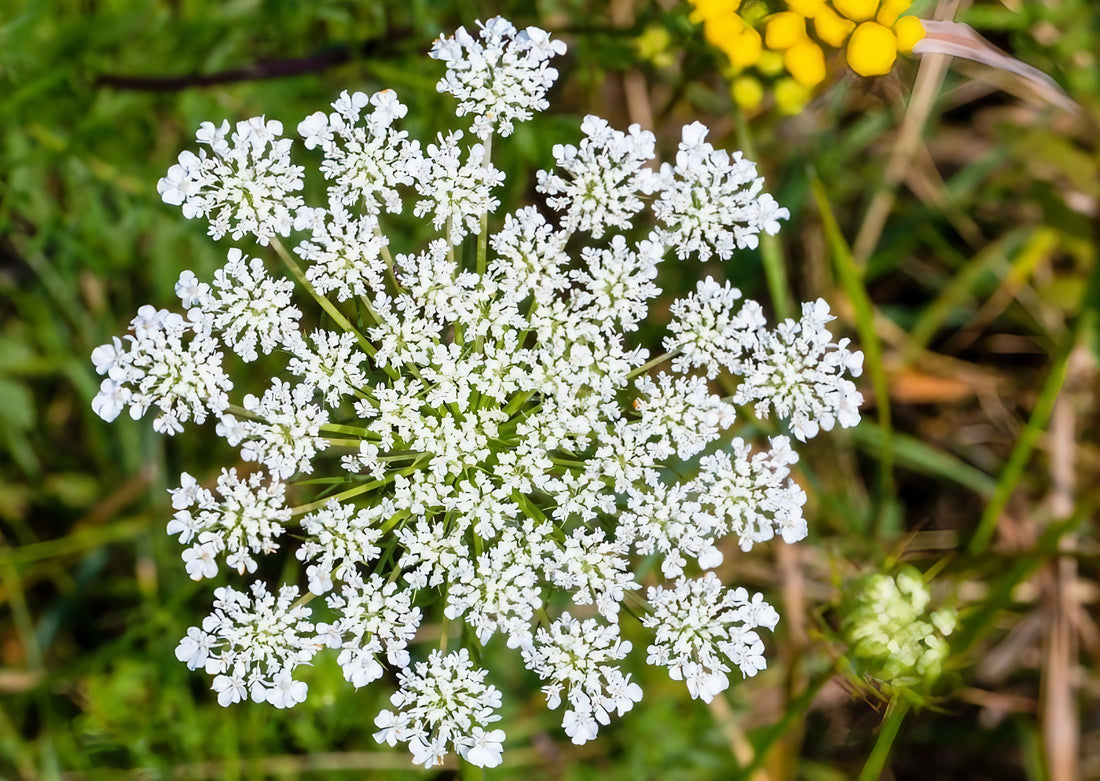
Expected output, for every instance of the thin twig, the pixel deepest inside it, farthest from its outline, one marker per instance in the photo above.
(259, 70)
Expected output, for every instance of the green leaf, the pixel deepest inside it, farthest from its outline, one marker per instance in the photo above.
(16, 405)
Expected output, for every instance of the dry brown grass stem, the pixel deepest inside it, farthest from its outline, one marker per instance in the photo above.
(792, 579)
(739, 745)
(930, 77)
(639, 107)
(924, 179)
(956, 377)
(1061, 725)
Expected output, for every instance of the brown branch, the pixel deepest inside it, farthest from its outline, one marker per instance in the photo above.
(259, 70)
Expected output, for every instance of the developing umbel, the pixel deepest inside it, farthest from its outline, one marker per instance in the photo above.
(498, 451)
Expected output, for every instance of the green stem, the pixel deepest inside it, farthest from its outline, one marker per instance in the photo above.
(771, 253)
(567, 463)
(395, 573)
(330, 308)
(876, 762)
(336, 428)
(401, 455)
(482, 262)
(336, 442)
(370, 311)
(450, 244)
(242, 413)
(444, 625)
(645, 367)
(388, 258)
(516, 402)
(397, 517)
(362, 488)
(483, 234)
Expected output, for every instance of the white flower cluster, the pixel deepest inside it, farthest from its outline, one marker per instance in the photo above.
(253, 645)
(502, 78)
(246, 521)
(606, 174)
(244, 187)
(797, 372)
(700, 625)
(170, 364)
(574, 655)
(467, 432)
(443, 703)
(712, 202)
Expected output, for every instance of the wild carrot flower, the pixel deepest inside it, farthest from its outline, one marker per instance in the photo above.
(496, 449)
(893, 637)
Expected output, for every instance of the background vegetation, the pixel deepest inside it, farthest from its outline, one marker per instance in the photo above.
(970, 207)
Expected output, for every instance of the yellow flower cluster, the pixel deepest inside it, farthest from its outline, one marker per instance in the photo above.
(784, 42)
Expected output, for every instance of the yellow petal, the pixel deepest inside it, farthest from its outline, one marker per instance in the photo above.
(890, 10)
(808, 8)
(857, 10)
(745, 49)
(872, 49)
(784, 30)
(790, 96)
(709, 9)
(770, 63)
(723, 30)
(833, 29)
(806, 63)
(747, 92)
(909, 30)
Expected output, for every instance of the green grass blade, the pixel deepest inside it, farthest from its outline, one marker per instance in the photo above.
(918, 456)
(956, 292)
(851, 280)
(1021, 452)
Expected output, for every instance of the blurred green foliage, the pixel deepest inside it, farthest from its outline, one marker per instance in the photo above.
(981, 281)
